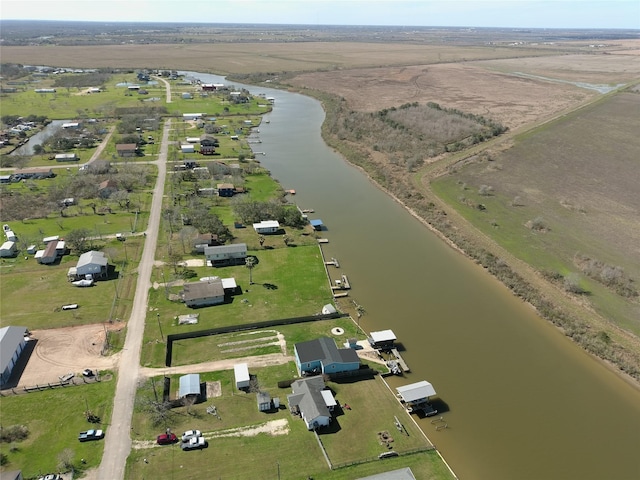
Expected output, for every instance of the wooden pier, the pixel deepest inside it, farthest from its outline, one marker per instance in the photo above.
(342, 284)
(333, 262)
(400, 360)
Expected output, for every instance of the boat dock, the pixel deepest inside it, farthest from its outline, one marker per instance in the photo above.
(333, 262)
(400, 360)
(342, 284)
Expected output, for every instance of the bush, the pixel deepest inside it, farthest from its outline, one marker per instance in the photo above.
(15, 433)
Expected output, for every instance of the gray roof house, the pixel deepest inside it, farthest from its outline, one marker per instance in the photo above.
(222, 255)
(12, 343)
(92, 263)
(203, 293)
(312, 402)
(189, 385)
(323, 356)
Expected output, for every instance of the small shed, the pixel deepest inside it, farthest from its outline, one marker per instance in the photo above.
(264, 401)
(241, 373)
(66, 157)
(189, 385)
(187, 148)
(8, 249)
(11, 236)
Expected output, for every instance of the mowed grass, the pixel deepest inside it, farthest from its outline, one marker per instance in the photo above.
(584, 191)
(32, 294)
(295, 453)
(54, 418)
(288, 282)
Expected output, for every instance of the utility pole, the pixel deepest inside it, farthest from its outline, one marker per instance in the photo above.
(160, 326)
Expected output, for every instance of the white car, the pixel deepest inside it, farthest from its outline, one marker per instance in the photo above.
(189, 434)
(194, 443)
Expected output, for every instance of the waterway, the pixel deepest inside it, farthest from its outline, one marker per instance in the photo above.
(38, 138)
(521, 400)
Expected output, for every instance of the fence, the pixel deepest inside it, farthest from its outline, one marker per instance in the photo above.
(238, 328)
(74, 382)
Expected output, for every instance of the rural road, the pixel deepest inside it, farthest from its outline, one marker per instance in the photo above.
(118, 435)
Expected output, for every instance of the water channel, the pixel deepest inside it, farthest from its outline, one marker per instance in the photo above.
(522, 401)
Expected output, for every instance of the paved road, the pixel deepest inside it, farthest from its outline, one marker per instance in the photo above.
(118, 435)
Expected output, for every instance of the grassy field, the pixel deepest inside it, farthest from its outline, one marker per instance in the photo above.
(288, 282)
(353, 437)
(567, 175)
(54, 418)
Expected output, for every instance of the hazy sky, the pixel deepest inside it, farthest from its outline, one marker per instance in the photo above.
(478, 13)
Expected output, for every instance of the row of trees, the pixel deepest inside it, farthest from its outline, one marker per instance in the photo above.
(253, 211)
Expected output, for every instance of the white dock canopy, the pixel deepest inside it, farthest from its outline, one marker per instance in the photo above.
(416, 392)
(383, 336)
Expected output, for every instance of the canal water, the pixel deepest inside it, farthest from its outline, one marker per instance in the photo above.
(521, 401)
(38, 138)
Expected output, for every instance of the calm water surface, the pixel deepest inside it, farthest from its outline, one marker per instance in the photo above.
(523, 402)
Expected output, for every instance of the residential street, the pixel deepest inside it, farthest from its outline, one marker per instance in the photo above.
(118, 434)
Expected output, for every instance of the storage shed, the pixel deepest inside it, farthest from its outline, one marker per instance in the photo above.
(189, 385)
(8, 249)
(241, 373)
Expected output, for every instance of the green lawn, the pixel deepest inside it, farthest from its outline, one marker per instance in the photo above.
(294, 453)
(54, 418)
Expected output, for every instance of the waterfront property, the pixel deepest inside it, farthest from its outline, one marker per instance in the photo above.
(415, 397)
(382, 340)
(312, 401)
(323, 356)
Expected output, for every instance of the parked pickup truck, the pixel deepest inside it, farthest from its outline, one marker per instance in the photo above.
(90, 435)
(194, 443)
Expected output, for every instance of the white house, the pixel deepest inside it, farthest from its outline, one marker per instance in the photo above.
(8, 249)
(203, 294)
(232, 254)
(12, 343)
(66, 157)
(241, 374)
(192, 116)
(92, 263)
(266, 226)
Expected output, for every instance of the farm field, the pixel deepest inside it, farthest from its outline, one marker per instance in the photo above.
(567, 174)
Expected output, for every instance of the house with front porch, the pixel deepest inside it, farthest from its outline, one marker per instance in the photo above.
(223, 255)
(312, 401)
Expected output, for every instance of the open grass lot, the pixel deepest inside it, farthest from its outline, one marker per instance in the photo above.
(288, 282)
(568, 174)
(54, 418)
(352, 438)
(20, 279)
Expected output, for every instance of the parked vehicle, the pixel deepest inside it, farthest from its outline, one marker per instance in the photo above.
(90, 435)
(51, 476)
(167, 439)
(191, 434)
(87, 372)
(194, 443)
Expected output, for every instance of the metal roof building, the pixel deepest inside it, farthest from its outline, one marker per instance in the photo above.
(189, 385)
(416, 392)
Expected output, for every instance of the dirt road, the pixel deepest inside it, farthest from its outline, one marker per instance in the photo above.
(118, 435)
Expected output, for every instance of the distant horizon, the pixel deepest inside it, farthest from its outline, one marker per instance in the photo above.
(313, 25)
(533, 14)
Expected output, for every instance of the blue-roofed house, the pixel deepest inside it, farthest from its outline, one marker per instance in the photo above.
(323, 356)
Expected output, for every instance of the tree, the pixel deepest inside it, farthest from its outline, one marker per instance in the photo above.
(78, 239)
(65, 459)
(250, 263)
(261, 240)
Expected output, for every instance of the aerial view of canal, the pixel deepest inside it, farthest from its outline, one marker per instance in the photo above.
(521, 401)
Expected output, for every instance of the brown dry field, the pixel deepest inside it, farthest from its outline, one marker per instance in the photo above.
(243, 58)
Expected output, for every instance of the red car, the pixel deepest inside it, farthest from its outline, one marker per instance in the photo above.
(167, 438)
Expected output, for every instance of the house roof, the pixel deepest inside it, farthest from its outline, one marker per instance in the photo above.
(232, 248)
(107, 184)
(325, 350)
(416, 391)
(10, 338)
(92, 257)
(316, 223)
(267, 224)
(200, 290)
(189, 385)
(126, 147)
(222, 186)
(308, 397)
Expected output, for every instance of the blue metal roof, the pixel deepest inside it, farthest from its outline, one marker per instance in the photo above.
(316, 223)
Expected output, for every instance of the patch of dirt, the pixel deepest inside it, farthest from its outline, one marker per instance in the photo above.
(214, 389)
(62, 350)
